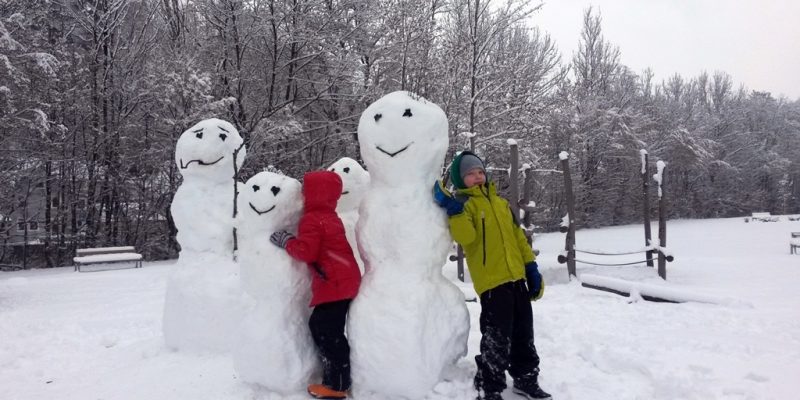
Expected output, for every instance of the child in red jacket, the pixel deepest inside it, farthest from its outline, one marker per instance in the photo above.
(321, 242)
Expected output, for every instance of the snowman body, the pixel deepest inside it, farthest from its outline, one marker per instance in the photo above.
(408, 324)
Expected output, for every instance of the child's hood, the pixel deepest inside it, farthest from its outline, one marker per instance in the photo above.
(455, 168)
(321, 190)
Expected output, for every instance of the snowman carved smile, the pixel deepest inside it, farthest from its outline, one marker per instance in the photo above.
(199, 162)
(396, 152)
(260, 212)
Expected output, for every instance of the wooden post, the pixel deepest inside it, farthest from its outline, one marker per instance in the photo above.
(570, 244)
(662, 220)
(513, 176)
(646, 205)
(527, 193)
(460, 262)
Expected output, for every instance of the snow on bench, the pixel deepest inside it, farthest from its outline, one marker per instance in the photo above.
(104, 255)
(648, 292)
(761, 216)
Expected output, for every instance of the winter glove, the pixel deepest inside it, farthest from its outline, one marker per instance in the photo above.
(445, 199)
(280, 238)
(535, 281)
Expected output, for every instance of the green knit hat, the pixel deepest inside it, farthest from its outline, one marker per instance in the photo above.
(463, 163)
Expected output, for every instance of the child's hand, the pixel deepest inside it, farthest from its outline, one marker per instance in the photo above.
(535, 281)
(445, 199)
(280, 238)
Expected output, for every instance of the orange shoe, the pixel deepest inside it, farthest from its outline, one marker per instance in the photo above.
(323, 392)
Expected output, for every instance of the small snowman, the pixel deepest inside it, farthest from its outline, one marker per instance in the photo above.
(273, 346)
(355, 181)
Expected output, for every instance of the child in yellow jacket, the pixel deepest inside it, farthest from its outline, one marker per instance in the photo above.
(499, 260)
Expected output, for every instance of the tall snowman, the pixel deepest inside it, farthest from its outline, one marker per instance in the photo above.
(202, 299)
(408, 323)
(273, 346)
(355, 181)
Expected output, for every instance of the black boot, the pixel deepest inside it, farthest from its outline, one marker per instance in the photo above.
(528, 387)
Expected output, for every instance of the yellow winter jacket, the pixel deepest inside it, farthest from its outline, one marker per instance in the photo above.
(494, 244)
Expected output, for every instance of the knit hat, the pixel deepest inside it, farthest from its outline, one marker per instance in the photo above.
(461, 165)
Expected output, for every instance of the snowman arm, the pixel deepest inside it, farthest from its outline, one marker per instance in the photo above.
(461, 228)
(305, 246)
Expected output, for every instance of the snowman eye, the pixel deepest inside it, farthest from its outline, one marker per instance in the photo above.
(407, 113)
(377, 117)
(346, 170)
(223, 136)
(275, 190)
(199, 133)
(255, 188)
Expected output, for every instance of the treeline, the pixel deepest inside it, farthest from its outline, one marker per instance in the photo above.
(94, 93)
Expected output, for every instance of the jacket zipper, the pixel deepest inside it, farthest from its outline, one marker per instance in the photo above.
(483, 221)
(483, 234)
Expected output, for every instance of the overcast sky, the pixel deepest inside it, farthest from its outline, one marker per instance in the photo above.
(757, 42)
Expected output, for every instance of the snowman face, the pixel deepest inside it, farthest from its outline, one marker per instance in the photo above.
(403, 137)
(270, 201)
(354, 183)
(207, 150)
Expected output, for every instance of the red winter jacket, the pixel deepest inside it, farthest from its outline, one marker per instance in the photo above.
(321, 241)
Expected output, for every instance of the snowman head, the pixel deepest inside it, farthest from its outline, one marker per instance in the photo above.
(206, 150)
(403, 138)
(354, 183)
(269, 202)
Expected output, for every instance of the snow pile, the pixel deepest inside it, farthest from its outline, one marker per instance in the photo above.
(659, 176)
(643, 155)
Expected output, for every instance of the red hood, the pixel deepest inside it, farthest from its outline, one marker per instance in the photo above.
(321, 190)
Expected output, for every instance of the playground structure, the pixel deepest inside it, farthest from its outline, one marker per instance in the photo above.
(524, 204)
(568, 224)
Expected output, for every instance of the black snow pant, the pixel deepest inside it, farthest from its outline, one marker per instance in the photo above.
(507, 343)
(327, 328)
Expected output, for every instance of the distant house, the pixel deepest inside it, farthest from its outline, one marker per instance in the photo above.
(23, 226)
(27, 217)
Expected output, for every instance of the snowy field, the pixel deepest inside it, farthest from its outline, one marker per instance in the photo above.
(97, 335)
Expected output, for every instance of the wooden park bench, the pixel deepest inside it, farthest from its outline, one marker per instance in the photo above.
(794, 244)
(105, 255)
(761, 216)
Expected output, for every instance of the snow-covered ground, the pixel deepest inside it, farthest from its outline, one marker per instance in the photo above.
(97, 335)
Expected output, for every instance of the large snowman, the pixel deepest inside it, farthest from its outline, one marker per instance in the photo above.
(355, 181)
(200, 308)
(408, 323)
(273, 346)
